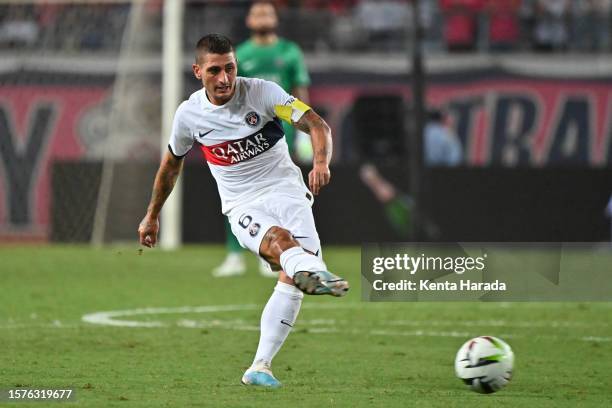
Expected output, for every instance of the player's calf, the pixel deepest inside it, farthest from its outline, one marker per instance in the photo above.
(274, 243)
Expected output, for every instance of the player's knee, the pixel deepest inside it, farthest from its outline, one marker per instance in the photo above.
(276, 241)
(283, 277)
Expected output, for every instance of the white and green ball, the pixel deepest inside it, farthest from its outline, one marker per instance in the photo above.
(485, 364)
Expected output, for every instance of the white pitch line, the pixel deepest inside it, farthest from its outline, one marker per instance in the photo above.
(320, 326)
(108, 318)
(596, 339)
(185, 323)
(424, 333)
(56, 324)
(500, 323)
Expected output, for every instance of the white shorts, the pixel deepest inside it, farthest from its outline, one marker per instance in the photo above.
(251, 221)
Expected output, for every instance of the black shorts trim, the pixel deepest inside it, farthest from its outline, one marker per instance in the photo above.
(176, 156)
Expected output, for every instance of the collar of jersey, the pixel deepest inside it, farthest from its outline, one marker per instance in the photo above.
(206, 103)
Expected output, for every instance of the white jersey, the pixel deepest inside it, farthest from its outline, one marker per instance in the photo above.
(242, 141)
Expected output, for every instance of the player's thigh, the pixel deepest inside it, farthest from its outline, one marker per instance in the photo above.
(250, 225)
(296, 216)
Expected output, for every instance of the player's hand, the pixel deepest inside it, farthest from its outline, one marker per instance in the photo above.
(147, 230)
(318, 177)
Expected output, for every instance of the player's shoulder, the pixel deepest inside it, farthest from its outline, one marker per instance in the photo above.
(288, 45)
(250, 82)
(244, 47)
(190, 105)
(255, 85)
(195, 98)
(259, 92)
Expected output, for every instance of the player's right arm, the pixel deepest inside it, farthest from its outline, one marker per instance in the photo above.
(166, 177)
(171, 165)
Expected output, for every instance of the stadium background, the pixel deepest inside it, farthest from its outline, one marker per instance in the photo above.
(532, 116)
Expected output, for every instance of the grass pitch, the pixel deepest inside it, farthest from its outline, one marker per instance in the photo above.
(342, 352)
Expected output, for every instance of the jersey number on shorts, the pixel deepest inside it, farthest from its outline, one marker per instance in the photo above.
(245, 220)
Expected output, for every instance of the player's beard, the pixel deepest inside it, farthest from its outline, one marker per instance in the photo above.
(264, 31)
(225, 96)
(217, 98)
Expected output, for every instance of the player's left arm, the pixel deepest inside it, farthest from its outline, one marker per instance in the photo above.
(320, 135)
(304, 118)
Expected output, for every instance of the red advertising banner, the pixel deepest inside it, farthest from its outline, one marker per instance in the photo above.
(506, 121)
(38, 124)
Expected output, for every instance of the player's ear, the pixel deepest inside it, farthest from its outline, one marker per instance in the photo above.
(197, 72)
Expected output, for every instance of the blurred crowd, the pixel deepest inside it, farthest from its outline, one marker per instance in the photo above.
(540, 25)
(62, 27)
(321, 25)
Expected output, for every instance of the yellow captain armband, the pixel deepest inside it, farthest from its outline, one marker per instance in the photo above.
(291, 112)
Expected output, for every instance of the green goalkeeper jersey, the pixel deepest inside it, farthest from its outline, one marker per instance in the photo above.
(281, 62)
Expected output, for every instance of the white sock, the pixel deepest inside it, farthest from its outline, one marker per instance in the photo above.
(277, 319)
(233, 257)
(296, 260)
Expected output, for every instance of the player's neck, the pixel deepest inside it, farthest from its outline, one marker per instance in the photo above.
(265, 39)
(216, 101)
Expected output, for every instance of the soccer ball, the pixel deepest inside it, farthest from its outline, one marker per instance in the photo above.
(485, 364)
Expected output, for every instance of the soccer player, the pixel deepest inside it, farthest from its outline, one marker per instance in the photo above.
(235, 122)
(267, 56)
(441, 148)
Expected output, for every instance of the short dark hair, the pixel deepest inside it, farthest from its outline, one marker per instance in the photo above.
(214, 44)
(264, 2)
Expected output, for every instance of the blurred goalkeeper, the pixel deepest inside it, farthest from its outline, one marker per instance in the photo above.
(267, 56)
(236, 123)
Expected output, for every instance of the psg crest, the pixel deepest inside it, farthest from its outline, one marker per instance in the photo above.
(254, 229)
(252, 119)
